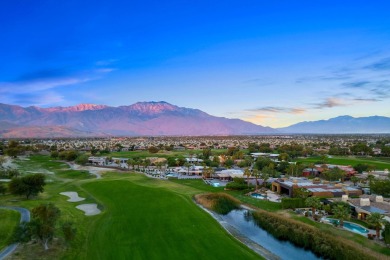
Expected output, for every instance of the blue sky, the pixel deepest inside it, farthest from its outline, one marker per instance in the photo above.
(273, 63)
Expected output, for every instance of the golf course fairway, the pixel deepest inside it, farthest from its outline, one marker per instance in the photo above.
(154, 222)
(9, 219)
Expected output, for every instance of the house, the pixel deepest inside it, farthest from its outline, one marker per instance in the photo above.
(97, 160)
(229, 174)
(194, 160)
(287, 187)
(367, 204)
(272, 156)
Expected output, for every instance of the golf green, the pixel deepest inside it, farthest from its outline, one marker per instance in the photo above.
(141, 222)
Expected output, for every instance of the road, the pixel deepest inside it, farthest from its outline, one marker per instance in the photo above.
(24, 217)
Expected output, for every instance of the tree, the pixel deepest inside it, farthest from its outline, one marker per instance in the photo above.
(3, 189)
(130, 162)
(362, 167)
(312, 166)
(69, 231)
(206, 153)
(386, 233)
(29, 185)
(283, 166)
(43, 223)
(54, 154)
(2, 161)
(302, 193)
(153, 149)
(314, 203)
(262, 162)
(207, 172)
(82, 159)
(380, 187)
(247, 173)
(256, 173)
(355, 180)
(341, 211)
(334, 174)
(187, 165)
(284, 157)
(229, 163)
(265, 176)
(292, 170)
(376, 220)
(370, 179)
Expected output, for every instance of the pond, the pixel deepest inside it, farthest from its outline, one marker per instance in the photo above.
(242, 220)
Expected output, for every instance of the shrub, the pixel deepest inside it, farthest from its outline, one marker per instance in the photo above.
(292, 203)
(308, 237)
(221, 203)
(236, 186)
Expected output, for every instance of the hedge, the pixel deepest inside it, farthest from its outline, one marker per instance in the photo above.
(292, 203)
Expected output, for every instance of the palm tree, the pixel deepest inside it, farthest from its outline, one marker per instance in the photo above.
(207, 172)
(291, 169)
(370, 178)
(257, 175)
(341, 212)
(265, 177)
(312, 166)
(130, 163)
(314, 203)
(376, 219)
(188, 167)
(247, 173)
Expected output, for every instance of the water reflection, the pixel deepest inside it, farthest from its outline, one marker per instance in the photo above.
(242, 220)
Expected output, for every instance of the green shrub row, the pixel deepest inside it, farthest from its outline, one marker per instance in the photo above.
(308, 237)
(236, 186)
(292, 203)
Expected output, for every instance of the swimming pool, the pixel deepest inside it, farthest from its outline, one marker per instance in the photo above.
(349, 226)
(258, 196)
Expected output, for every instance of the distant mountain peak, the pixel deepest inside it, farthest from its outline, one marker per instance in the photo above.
(79, 107)
(153, 107)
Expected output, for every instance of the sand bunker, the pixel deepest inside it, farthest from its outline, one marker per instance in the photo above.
(91, 169)
(89, 209)
(73, 196)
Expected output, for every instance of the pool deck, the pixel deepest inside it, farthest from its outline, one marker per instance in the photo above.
(370, 231)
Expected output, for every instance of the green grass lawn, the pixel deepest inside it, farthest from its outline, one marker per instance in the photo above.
(9, 219)
(379, 163)
(200, 185)
(153, 223)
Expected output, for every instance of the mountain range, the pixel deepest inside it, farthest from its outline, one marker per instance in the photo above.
(157, 119)
(342, 125)
(143, 118)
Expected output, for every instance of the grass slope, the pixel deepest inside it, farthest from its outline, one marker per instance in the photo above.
(9, 219)
(155, 223)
